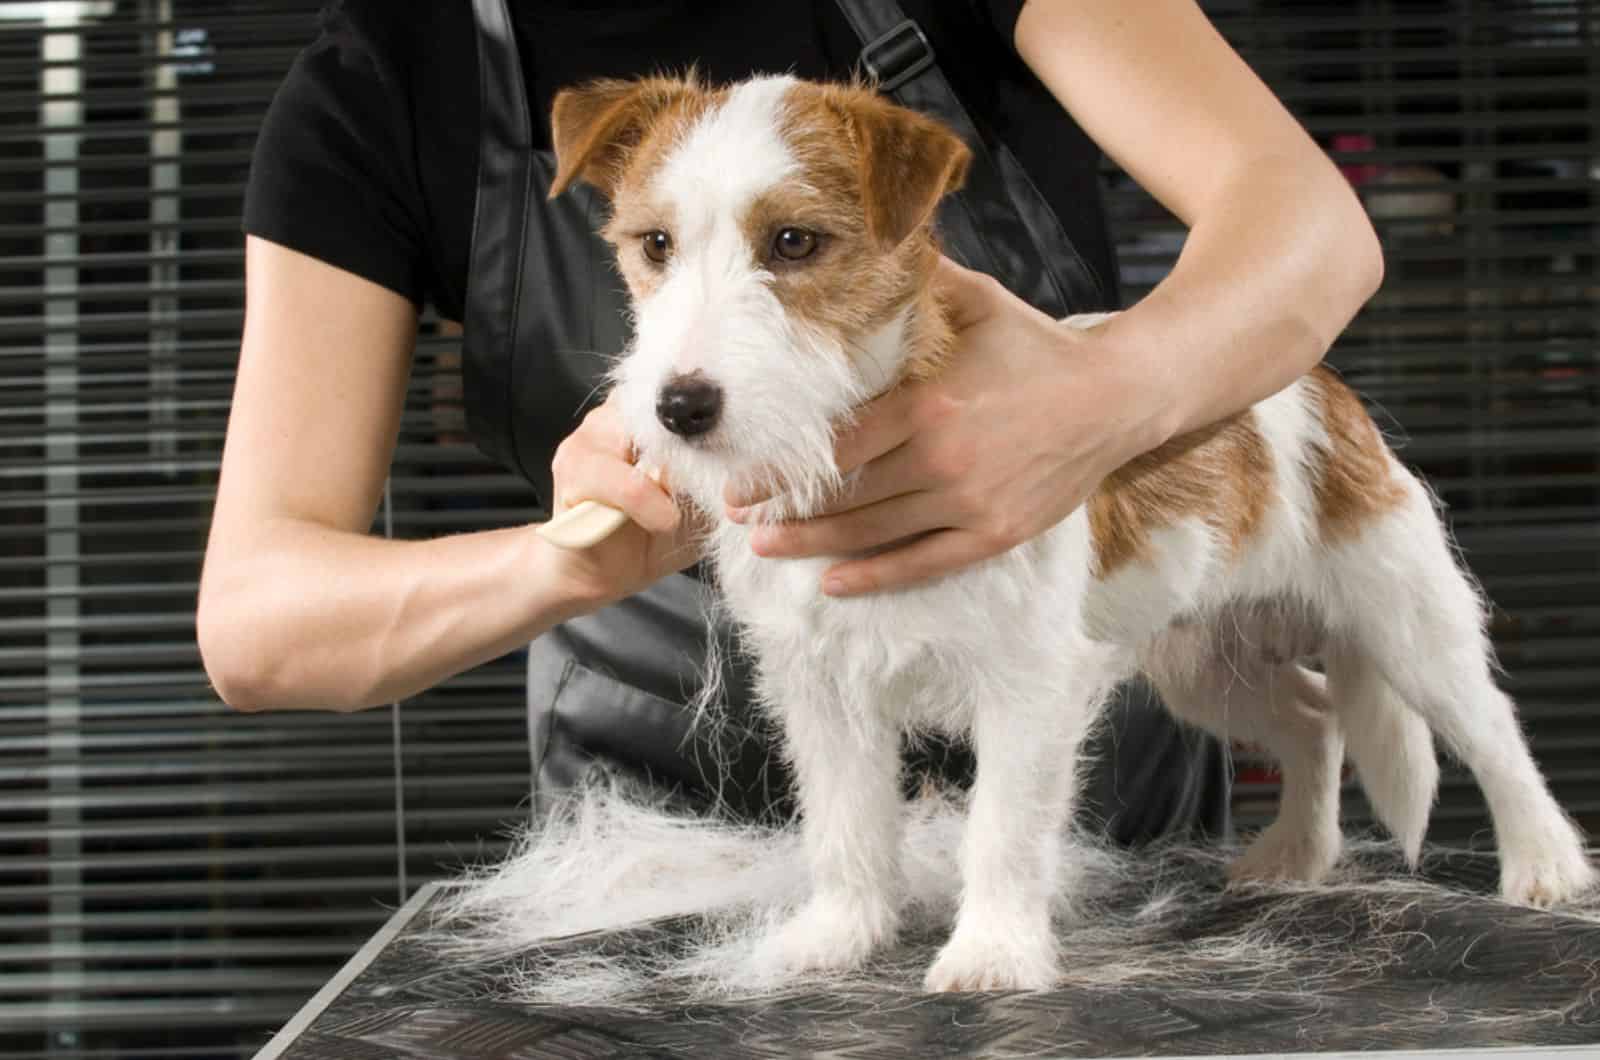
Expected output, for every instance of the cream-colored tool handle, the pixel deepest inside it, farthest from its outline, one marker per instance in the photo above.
(582, 526)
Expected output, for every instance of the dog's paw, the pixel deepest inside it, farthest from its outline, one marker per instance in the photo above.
(1546, 873)
(1281, 854)
(827, 934)
(974, 960)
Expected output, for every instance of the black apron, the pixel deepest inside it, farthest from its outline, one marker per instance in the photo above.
(544, 308)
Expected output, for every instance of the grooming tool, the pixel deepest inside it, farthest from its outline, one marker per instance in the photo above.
(582, 526)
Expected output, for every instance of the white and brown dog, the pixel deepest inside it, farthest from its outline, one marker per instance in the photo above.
(776, 238)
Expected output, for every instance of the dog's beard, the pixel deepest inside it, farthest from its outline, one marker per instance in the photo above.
(788, 396)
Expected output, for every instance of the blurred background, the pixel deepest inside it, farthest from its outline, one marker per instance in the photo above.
(176, 879)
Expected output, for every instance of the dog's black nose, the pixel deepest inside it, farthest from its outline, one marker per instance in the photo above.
(689, 405)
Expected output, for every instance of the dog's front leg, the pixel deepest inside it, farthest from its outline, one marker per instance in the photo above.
(1027, 742)
(847, 762)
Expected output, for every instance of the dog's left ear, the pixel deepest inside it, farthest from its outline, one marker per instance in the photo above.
(909, 162)
(594, 126)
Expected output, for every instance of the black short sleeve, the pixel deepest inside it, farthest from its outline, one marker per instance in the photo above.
(330, 176)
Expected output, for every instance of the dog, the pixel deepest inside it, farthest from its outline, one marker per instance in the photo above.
(776, 238)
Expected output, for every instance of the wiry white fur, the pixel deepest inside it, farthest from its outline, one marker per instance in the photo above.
(732, 154)
(1019, 651)
(1291, 429)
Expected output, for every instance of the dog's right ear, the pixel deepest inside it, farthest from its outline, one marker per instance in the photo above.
(594, 126)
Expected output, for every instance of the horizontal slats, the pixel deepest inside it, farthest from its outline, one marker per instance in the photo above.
(99, 163)
(168, 862)
(13, 263)
(278, 763)
(257, 63)
(332, 789)
(283, 920)
(257, 826)
(168, 682)
(261, 1007)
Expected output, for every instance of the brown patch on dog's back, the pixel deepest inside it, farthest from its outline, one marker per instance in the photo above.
(1222, 474)
(1353, 477)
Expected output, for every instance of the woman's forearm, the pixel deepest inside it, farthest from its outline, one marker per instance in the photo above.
(300, 607)
(302, 616)
(1280, 254)
(1268, 278)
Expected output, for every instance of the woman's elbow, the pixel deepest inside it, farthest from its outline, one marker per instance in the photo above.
(1366, 252)
(240, 631)
(258, 657)
(1342, 260)
(239, 671)
(1356, 252)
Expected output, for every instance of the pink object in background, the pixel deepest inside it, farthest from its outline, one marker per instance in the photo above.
(1351, 143)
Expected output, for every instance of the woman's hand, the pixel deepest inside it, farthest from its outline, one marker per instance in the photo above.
(1002, 445)
(596, 463)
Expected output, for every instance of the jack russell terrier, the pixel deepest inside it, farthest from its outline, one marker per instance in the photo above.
(776, 238)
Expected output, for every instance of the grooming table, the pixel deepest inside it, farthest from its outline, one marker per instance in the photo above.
(1465, 977)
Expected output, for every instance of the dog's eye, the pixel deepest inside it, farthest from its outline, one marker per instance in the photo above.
(657, 246)
(792, 244)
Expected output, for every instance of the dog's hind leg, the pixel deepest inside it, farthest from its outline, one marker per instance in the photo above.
(1027, 730)
(1282, 708)
(1404, 605)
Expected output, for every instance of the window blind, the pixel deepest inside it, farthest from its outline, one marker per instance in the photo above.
(1470, 129)
(175, 878)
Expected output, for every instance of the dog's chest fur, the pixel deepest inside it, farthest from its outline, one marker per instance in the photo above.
(910, 651)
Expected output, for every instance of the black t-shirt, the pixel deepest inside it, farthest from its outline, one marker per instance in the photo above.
(368, 155)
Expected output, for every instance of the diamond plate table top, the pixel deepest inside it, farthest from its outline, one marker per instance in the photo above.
(1462, 972)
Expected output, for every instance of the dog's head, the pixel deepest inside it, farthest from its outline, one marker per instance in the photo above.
(775, 238)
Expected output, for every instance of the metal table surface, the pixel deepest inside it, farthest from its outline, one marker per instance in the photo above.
(1469, 962)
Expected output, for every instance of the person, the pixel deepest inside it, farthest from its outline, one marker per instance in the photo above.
(360, 209)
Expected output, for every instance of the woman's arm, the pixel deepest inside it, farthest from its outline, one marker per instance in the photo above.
(1027, 420)
(1280, 254)
(300, 607)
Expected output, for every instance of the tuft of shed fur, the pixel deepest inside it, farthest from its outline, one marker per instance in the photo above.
(686, 905)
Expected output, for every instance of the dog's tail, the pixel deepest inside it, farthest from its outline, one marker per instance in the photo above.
(1391, 746)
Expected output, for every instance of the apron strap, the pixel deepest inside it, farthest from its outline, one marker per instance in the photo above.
(499, 220)
(999, 223)
(545, 310)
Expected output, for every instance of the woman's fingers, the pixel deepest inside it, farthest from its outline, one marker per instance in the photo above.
(900, 472)
(931, 556)
(618, 484)
(882, 426)
(595, 463)
(854, 531)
